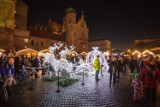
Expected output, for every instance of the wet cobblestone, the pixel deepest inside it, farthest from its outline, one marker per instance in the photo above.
(92, 94)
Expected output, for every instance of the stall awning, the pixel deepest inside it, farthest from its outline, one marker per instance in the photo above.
(44, 51)
(26, 51)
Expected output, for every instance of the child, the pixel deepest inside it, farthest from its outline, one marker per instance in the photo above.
(136, 71)
(8, 83)
(138, 88)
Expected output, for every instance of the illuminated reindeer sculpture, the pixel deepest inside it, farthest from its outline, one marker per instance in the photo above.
(61, 64)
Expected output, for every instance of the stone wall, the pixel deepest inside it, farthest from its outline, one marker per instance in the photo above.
(6, 39)
(40, 43)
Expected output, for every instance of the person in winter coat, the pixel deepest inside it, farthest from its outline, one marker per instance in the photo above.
(113, 69)
(37, 64)
(8, 68)
(132, 64)
(138, 88)
(119, 68)
(96, 65)
(150, 76)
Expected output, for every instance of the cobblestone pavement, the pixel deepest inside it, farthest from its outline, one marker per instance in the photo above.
(92, 94)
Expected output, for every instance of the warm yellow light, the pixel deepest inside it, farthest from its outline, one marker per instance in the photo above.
(73, 52)
(40, 54)
(147, 51)
(83, 53)
(1, 50)
(44, 51)
(136, 52)
(28, 49)
(107, 53)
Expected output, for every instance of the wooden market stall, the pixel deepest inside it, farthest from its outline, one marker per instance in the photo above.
(28, 51)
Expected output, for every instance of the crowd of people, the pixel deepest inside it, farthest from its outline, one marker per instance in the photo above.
(144, 72)
(11, 68)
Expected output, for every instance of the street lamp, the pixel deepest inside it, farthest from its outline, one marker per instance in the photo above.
(25, 40)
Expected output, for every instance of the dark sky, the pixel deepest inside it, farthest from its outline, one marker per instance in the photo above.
(120, 21)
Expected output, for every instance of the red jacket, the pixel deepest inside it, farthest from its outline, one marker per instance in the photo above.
(151, 82)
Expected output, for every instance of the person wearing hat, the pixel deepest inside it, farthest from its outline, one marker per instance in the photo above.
(96, 65)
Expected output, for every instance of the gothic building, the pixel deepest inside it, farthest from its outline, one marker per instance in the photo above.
(70, 32)
(15, 33)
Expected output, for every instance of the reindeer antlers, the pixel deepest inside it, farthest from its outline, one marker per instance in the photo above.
(56, 46)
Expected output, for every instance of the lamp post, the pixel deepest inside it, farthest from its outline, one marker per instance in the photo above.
(26, 41)
(58, 90)
(83, 77)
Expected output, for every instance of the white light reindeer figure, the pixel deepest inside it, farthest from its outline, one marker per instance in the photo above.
(50, 57)
(60, 64)
(64, 64)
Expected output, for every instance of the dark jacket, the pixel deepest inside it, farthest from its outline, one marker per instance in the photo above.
(36, 62)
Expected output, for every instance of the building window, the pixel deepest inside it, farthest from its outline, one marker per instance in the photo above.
(82, 24)
(35, 27)
(45, 29)
(84, 46)
(41, 43)
(37, 43)
(82, 35)
(40, 28)
(70, 21)
(74, 34)
(32, 42)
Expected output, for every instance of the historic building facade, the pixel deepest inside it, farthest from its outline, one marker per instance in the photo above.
(15, 33)
(146, 44)
(70, 32)
(103, 45)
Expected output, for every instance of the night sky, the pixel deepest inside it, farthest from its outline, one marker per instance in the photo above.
(119, 21)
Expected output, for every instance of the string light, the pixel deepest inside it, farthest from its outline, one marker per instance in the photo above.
(136, 52)
(147, 51)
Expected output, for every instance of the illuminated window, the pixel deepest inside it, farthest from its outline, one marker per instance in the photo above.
(82, 35)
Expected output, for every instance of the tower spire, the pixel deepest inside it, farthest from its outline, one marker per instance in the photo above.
(82, 15)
